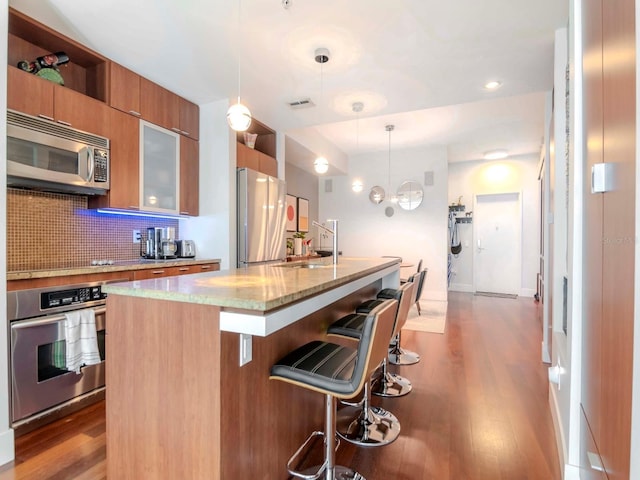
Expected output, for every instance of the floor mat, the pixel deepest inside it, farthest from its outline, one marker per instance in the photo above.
(498, 295)
(432, 320)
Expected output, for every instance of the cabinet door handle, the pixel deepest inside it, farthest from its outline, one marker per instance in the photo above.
(183, 269)
(185, 133)
(46, 117)
(64, 123)
(184, 213)
(205, 267)
(133, 112)
(158, 272)
(175, 129)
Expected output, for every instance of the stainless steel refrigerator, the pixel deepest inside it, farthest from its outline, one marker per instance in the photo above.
(261, 218)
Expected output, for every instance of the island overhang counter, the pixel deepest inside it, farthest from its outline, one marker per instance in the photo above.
(188, 394)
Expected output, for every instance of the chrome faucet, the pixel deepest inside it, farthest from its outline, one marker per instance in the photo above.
(333, 231)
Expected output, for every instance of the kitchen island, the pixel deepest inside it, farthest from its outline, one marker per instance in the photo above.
(188, 390)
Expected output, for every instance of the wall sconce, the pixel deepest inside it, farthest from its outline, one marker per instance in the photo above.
(357, 185)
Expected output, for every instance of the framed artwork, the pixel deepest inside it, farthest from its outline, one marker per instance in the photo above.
(292, 215)
(303, 214)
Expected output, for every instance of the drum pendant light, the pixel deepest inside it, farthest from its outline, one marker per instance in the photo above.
(321, 164)
(239, 116)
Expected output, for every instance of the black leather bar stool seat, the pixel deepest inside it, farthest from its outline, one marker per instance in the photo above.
(339, 373)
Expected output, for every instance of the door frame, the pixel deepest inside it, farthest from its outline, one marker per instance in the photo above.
(475, 236)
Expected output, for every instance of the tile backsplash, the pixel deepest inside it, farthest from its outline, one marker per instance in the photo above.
(51, 230)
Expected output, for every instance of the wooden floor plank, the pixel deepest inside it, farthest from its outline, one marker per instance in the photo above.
(478, 409)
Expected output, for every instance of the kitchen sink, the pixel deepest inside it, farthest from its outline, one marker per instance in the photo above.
(302, 265)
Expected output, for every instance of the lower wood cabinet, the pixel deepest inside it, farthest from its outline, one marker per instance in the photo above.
(175, 270)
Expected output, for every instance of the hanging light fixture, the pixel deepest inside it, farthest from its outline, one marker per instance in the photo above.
(392, 196)
(357, 107)
(239, 116)
(321, 164)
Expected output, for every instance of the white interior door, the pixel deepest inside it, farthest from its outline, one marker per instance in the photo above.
(497, 243)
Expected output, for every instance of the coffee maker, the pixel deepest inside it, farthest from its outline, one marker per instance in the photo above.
(160, 243)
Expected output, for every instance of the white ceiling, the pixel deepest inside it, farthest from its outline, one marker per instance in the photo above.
(418, 64)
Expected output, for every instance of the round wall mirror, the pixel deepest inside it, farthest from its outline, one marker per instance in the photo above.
(376, 195)
(410, 195)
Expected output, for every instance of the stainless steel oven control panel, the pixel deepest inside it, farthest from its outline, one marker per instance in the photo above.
(72, 296)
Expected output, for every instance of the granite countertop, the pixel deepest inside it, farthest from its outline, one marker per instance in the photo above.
(116, 267)
(260, 288)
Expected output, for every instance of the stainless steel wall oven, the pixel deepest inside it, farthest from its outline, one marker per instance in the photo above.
(40, 381)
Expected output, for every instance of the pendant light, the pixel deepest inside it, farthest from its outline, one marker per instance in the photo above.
(392, 196)
(357, 107)
(321, 164)
(239, 116)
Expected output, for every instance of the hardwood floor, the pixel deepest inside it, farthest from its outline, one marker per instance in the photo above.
(478, 409)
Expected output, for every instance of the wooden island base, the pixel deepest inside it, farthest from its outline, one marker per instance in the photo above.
(180, 406)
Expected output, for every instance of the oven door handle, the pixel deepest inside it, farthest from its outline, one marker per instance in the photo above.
(49, 320)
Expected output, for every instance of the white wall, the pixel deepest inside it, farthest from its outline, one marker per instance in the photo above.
(364, 230)
(214, 230)
(468, 179)
(6, 433)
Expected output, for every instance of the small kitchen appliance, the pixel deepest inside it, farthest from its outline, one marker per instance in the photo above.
(160, 243)
(185, 249)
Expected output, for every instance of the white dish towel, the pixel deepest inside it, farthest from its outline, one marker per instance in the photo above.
(81, 339)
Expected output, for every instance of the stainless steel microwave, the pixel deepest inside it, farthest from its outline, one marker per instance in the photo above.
(48, 156)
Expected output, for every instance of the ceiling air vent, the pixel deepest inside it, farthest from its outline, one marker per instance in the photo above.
(302, 103)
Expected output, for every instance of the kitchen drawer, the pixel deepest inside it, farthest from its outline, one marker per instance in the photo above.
(160, 272)
(591, 466)
(123, 276)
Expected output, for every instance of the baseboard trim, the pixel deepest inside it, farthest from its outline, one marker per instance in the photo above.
(461, 287)
(557, 425)
(7, 446)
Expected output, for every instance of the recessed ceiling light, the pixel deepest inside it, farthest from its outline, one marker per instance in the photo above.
(493, 85)
(495, 155)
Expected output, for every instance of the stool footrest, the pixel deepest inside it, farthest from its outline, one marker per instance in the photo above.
(294, 458)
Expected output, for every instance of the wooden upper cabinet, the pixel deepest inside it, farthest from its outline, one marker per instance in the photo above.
(124, 89)
(247, 157)
(189, 176)
(267, 164)
(189, 118)
(80, 111)
(158, 105)
(35, 96)
(124, 192)
(29, 94)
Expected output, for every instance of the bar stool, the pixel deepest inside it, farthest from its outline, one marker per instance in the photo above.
(339, 373)
(397, 355)
(362, 423)
(387, 384)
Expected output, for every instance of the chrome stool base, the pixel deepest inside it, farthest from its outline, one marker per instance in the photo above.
(403, 357)
(339, 473)
(371, 427)
(391, 385)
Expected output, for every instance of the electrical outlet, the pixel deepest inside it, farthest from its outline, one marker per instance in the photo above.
(136, 236)
(246, 353)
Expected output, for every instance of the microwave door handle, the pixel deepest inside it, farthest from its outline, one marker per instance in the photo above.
(90, 163)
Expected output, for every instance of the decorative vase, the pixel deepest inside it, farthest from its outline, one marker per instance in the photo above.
(297, 246)
(250, 139)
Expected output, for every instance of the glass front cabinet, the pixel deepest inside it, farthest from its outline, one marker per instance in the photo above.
(159, 169)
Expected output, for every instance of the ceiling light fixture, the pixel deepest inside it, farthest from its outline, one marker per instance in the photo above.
(238, 115)
(493, 85)
(321, 164)
(357, 107)
(496, 155)
(392, 196)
